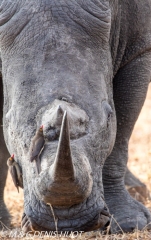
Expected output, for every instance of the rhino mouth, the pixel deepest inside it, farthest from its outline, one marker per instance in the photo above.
(77, 218)
(99, 221)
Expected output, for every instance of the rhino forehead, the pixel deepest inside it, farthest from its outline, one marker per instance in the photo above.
(86, 21)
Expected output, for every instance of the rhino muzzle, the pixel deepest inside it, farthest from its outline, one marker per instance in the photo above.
(68, 181)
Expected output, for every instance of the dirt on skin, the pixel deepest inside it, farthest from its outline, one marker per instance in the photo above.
(139, 163)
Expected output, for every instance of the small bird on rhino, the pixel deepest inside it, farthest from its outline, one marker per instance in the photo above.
(15, 172)
(36, 147)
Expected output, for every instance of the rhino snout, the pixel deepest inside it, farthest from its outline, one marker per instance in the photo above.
(68, 181)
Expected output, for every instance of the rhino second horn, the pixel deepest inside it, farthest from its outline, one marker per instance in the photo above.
(59, 114)
(63, 165)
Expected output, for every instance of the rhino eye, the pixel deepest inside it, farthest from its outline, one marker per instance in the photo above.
(108, 110)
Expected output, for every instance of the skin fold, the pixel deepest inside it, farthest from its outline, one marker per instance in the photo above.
(81, 70)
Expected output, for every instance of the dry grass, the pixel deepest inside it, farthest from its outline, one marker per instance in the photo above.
(139, 163)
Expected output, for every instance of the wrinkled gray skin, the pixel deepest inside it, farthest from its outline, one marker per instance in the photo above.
(96, 55)
(4, 215)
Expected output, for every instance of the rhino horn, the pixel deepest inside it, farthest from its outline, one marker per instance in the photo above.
(59, 113)
(63, 165)
(68, 184)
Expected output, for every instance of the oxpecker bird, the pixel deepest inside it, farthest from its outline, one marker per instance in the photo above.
(36, 147)
(15, 172)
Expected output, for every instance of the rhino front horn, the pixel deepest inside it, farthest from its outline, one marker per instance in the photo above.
(63, 165)
(70, 180)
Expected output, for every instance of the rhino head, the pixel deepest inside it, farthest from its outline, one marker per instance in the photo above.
(57, 72)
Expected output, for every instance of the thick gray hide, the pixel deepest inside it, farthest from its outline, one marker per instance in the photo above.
(92, 60)
(5, 217)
